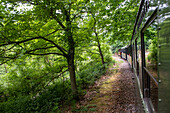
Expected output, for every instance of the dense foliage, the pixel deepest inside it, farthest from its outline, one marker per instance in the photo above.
(152, 43)
(50, 50)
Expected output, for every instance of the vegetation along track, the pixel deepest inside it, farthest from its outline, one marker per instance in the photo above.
(115, 92)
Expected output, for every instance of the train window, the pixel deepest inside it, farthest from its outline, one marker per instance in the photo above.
(149, 32)
(151, 61)
(151, 49)
(137, 56)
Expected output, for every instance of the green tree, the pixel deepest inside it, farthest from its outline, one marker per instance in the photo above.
(61, 28)
(46, 29)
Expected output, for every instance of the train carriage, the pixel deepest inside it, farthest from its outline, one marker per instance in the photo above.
(123, 51)
(153, 87)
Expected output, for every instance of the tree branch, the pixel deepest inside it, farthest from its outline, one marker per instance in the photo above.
(9, 58)
(41, 48)
(56, 77)
(53, 32)
(4, 62)
(60, 48)
(9, 48)
(60, 23)
(19, 42)
(44, 53)
(92, 52)
(94, 21)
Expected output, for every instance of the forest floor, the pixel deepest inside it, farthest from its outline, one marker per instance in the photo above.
(114, 92)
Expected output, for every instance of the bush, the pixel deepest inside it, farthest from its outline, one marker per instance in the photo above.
(26, 89)
(108, 58)
(89, 73)
(44, 101)
(153, 51)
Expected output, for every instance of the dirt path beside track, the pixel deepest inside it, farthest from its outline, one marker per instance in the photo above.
(115, 92)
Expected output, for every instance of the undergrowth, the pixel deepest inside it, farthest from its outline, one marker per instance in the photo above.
(19, 98)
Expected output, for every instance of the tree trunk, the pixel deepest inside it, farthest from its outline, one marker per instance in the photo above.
(70, 59)
(101, 54)
(71, 66)
(99, 47)
(98, 42)
(71, 69)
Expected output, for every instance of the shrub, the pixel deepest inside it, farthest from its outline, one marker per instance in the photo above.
(153, 51)
(89, 73)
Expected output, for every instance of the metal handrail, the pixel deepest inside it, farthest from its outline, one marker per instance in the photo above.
(147, 71)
